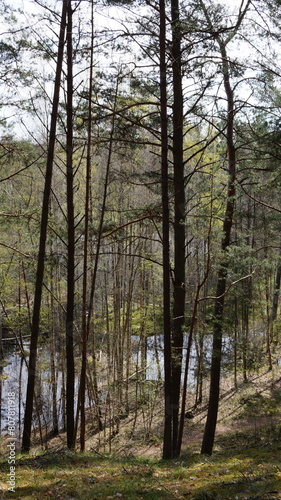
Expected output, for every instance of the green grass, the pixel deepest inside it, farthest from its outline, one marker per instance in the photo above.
(246, 464)
(246, 473)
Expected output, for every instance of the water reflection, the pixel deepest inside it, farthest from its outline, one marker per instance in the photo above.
(14, 379)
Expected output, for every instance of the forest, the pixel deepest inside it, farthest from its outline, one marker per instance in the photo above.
(140, 250)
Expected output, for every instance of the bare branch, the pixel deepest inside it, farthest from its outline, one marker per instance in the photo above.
(210, 297)
(15, 250)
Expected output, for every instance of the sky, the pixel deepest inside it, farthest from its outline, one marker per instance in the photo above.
(26, 9)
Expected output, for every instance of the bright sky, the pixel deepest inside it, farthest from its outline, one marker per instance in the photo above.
(102, 18)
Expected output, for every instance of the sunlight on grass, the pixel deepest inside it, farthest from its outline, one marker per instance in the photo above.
(255, 474)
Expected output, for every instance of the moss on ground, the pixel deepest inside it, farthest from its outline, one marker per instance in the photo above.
(252, 472)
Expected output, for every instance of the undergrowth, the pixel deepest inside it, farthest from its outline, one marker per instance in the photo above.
(245, 465)
(234, 473)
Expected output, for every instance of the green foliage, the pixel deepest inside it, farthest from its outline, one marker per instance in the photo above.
(257, 405)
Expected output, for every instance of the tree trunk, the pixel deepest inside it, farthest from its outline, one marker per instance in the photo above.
(210, 427)
(1, 368)
(189, 343)
(179, 222)
(53, 357)
(70, 369)
(275, 300)
(86, 236)
(276, 289)
(167, 444)
(235, 341)
(94, 278)
(42, 244)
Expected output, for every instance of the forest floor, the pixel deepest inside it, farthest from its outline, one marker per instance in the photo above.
(245, 465)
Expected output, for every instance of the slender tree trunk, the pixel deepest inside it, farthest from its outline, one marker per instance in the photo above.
(276, 289)
(179, 222)
(53, 363)
(95, 271)
(42, 244)
(22, 360)
(235, 342)
(245, 331)
(275, 299)
(118, 358)
(167, 444)
(268, 316)
(70, 369)
(86, 235)
(190, 339)
(132, 270)
(200, 371)
(210, 427)
(188, 350)
(1, 369)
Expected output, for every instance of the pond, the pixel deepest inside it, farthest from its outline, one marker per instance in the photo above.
(14, 379)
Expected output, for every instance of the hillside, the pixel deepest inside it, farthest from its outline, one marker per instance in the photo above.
(245, 465)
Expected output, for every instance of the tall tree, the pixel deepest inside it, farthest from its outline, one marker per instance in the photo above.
(167, 444)
(179, 219)
(70, 368)
(210, 426)
(86, 242)
(42, 244)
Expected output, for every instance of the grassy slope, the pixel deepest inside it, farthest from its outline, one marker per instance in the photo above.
(252, 473)
(246, 463)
